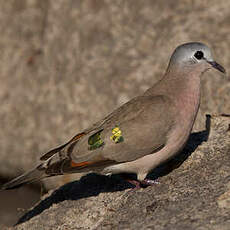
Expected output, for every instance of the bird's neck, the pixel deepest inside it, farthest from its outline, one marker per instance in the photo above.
(177, 83)
(182, 88)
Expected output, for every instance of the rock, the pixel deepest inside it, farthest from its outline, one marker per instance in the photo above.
(224, 200)
(65, 65)
(192, 196)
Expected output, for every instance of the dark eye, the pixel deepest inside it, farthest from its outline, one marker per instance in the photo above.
(199, 55)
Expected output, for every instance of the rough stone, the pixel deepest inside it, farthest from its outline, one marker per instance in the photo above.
(193, 193)
(64, 65)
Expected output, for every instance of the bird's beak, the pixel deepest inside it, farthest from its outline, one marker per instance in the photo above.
(217, 66)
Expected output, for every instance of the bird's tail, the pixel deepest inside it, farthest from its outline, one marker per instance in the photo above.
(30, 176)
(48, 168)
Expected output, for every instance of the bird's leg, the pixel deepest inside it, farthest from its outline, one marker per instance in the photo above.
(148, 182)
(136, 183)
(131, 179)
(144, 183)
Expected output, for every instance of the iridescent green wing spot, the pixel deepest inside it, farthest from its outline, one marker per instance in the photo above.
(116, 135)
(95, 141)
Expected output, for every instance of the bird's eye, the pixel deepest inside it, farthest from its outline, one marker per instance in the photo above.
(199, 55)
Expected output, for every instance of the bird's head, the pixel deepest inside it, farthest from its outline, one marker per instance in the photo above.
(194, 56)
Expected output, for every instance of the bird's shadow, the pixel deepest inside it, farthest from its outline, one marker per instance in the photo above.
(93, 184)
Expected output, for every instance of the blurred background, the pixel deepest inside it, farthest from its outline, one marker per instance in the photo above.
(66, 64)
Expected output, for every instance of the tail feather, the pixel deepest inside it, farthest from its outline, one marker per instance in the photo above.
(28, 177)
(53, 167)
(45, 169)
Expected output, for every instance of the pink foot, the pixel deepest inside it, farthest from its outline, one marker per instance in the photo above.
(136, 183)
(148, 182)
(143, 183)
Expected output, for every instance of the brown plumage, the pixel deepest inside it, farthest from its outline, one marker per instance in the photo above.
(141, 134)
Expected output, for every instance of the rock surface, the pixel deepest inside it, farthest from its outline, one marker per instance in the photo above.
(64, 65)
(195, 195)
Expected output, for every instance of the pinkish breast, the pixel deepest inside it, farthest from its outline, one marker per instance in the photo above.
(188, 101)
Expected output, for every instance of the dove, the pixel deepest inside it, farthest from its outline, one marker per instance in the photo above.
(140, 135)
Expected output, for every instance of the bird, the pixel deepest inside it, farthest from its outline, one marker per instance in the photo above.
(141, 134)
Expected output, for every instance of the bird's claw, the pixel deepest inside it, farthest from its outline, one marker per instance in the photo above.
(143, 183)
(148, 182)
